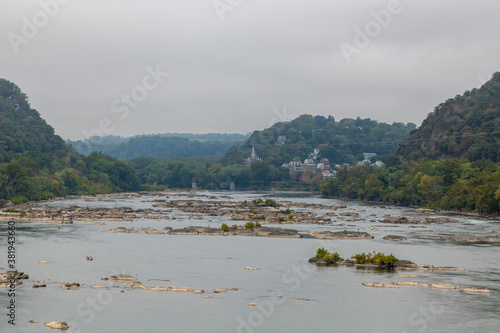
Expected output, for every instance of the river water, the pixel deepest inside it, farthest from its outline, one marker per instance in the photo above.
(292, 294)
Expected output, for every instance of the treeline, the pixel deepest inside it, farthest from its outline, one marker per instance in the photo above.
(448, 184)
(38, 176)
(208, 175)
(342, 141)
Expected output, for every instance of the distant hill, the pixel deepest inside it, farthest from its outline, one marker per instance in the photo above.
(467, 126)
(342, 141)
(160, 146)
(21, 127)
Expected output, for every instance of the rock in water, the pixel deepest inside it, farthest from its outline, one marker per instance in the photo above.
(394, 238)
(58, 325)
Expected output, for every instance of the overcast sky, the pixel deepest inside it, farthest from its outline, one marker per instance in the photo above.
(126, 67)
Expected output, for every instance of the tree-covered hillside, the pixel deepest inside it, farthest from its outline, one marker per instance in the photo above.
(36, 164)
(342, 141)
(467, 126)
(451, 162)
(22, 128)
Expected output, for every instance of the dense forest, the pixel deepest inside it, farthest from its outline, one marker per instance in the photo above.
(160, 146)
(36, 164)
(342, 141)
(451, 162)
(467, 126)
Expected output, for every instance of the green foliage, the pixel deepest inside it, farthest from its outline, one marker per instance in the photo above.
(225, 227)
(270, 203)
(19, 199)
(286, 211)
(290, 217)
(22, 213)
(257, 201)
(234, 227)
(253, 211)
(375, 258)
(238, 212)
(281, 219)
(323, 254)
(9, 210)
(244, 202)
(462, 127)
(257, 224)
(446, 184)
(189, 203)
(249, 225)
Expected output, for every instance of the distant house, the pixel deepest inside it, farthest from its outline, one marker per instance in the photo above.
(327, 173)
(325, 162)
(281, 139)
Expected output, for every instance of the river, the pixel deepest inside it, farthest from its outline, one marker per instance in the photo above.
(292, 294)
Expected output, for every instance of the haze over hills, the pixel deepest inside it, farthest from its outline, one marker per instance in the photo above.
(467, 126)
(160, 146)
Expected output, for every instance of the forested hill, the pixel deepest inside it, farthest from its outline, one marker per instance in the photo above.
(22, 128)
(159, 146)
(36, 164)
(342, 141)
(467, 126)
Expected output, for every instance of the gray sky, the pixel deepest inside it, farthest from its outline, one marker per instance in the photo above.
(241, 65)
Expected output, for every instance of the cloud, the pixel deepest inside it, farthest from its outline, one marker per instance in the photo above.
(228, 76)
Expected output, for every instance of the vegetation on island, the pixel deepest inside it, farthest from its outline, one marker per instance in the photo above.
(377, 258)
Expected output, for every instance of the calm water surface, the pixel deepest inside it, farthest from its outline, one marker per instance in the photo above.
(293, 295)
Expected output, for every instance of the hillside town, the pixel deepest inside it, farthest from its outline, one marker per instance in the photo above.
(315, 165)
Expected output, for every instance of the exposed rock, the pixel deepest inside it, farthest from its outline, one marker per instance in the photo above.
(417, 220)
(253, 304)
(475, 290)
(89, 258)
(257, 231)
(151, 231)
(444, 286)
(223, 290)
(252, 268)
(395, 238)
(39, 285)
(301, 299)
(33, 321)
(122, 230)
(7, 279)
(43, 262)
(410, 283)
(96, 286)
(339, 235)
(73, 285)
(58, 325)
